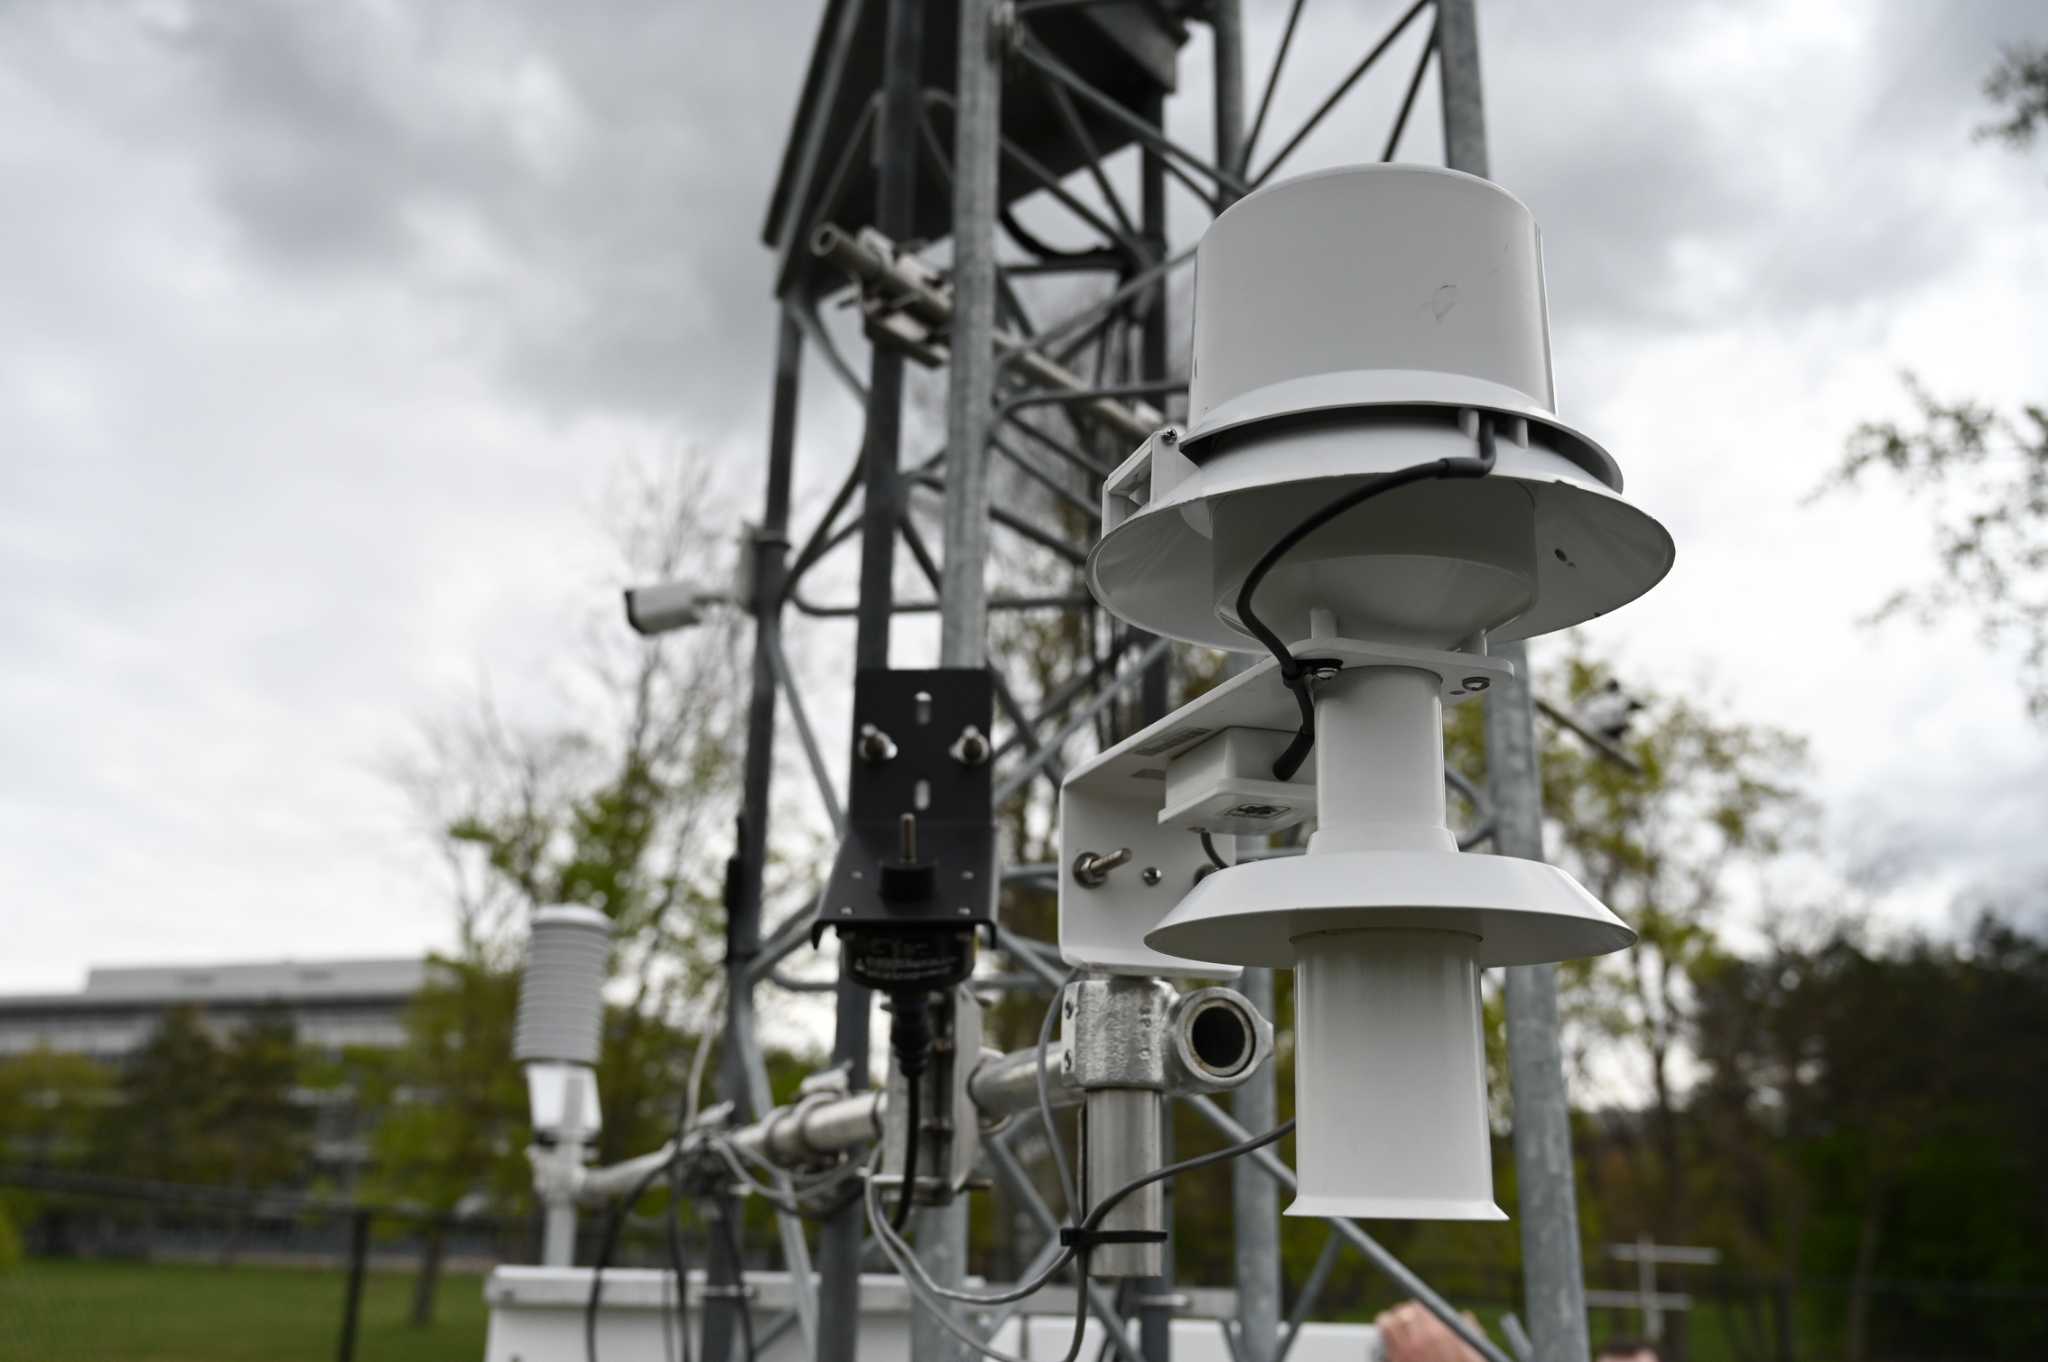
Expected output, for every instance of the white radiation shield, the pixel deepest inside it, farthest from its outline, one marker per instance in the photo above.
(1390, 1077)
(1363, 339)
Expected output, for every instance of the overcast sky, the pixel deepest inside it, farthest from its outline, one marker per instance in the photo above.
(327, 331)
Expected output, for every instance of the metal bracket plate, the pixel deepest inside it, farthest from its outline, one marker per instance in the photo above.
(1117, 800)
(920, 754)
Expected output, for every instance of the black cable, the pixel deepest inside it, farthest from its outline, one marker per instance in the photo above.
(678, 1263)
(1045, 250)
(910, 1040)
(1109, 1203)
(732, 1248)
(607, 1245)
(1209, 849)
(1292, 673)
(1080, 1306)
(911, 1116)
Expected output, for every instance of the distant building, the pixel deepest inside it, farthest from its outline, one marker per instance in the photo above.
(332, 1004)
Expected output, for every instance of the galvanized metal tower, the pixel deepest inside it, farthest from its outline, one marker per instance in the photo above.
(935, 148)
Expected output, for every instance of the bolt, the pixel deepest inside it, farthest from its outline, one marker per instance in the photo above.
(970, 748)
(1091, 868)
(1478, 682)
(1169, 436)
(875, 746)
(1150, 875)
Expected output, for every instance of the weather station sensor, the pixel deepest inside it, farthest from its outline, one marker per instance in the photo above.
(1372, 483)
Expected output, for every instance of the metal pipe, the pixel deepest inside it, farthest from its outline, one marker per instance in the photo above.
(814, 142)
(1147, 134)
(1255, 1201)
(1014, 780)
(1013, 522)
(779, 666)
(1121, 1142)
(1553, 1279)
(1464, 100)
(1251, 140)
(970, 387)
(1408, 100)
(1343, 88)
(896, 136)
(877, 267)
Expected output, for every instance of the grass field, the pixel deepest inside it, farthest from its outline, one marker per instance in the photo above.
(140, 1312)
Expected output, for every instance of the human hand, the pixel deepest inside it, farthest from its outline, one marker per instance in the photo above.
(1409, 1333)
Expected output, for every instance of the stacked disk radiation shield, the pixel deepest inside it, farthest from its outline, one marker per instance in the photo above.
(561, 995)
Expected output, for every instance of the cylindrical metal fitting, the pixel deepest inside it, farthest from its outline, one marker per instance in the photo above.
(1217, 1040)
(561, 992)
(1122, 1139)
(815, 1129)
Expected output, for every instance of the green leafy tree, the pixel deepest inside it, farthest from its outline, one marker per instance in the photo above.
(621, 803)
(1882, 1125)
(1982, 472)
(51, 1105)
(265, 1132)
(164, 1126)
(1669, 846)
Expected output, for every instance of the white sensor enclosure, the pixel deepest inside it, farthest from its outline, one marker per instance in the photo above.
(561, 1017)
(1351, 323)
(1347, 325)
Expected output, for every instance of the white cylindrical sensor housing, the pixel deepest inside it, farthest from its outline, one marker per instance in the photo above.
(1390, 1077)
(561, 993)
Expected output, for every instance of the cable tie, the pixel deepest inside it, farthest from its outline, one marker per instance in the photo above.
(1083, 1240)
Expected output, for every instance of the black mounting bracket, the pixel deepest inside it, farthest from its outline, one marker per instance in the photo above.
(915, 877)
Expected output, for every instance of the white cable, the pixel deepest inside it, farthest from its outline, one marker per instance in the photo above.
(918, 1281)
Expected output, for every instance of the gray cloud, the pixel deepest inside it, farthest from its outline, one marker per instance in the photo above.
(324, 323)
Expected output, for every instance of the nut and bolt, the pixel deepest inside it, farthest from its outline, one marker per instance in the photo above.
(1477, 682)
(1092, 868)
(970, 748)
(874, 746)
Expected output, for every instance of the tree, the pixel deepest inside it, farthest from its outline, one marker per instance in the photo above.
(164, 1127)
(2019, 84)
(51, 1104)
(1666, 846)
(1984, 472)
(619, 802)
(265, 1133)
(1888, 1124)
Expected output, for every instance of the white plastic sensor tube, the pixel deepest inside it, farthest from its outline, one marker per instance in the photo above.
(1390, 1077)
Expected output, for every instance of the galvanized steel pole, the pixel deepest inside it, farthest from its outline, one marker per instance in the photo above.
(770, 551)
(1553, 1280)
(970, 383)
(941, 1231)
(896, 152)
